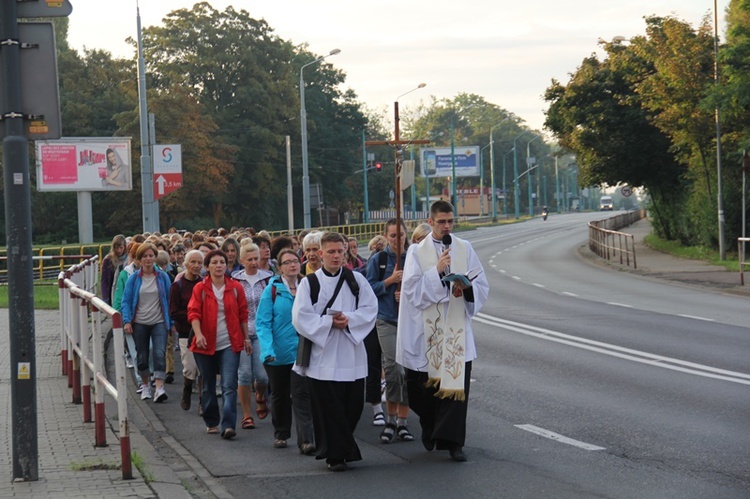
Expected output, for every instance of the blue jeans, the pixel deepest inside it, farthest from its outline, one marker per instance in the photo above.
(224, 362)
(156, 334)
(251, 368)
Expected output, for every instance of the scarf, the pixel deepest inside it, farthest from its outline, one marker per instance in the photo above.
(444, 334)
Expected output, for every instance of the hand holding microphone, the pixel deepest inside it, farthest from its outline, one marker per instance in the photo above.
(444, 262)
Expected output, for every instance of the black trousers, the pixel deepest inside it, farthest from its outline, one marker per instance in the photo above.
(336, 408)
(374, 367)
(290, 394)
(442, 420)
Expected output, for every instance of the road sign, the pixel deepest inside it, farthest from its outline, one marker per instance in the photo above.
(626, 191)
(167, 169)
(44, 8)
(40, 95)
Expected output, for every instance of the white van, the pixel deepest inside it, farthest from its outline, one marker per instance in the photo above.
(606, 203)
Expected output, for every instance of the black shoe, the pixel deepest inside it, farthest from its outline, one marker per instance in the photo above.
(187, 390)
(337, 465)
(169, 378)
(457, 453)
(427, 441)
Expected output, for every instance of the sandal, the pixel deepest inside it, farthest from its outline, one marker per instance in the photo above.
(248, 423)
(262, 401)
(388, 433)
(404, 434)
(378, 419)
(212, 430)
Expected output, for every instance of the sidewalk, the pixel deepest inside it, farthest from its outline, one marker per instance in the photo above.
(660, 265)
(69, 464)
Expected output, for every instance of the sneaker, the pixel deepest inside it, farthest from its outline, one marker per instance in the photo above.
(279, 443)
(129, 361)
(388, 433)
(169, 378)
(336, 465)
(378, 419)
(139, 389)
(145, 392)
(160, 395)
(307, 449)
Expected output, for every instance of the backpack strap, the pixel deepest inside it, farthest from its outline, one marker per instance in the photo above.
(382, 264)
(346, 275)
(314, 287)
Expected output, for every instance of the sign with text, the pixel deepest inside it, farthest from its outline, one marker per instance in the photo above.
(437, 161)
(84, 164)
(167, 169)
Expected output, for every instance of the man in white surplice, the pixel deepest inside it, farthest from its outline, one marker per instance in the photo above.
(435, 343)
(338, 360)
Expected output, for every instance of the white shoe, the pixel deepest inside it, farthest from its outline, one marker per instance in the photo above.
(146, 392)
(160, 395)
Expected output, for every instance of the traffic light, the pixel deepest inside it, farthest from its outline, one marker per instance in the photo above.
(378, 167)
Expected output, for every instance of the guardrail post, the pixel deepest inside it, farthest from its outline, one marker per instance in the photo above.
(75, 365)
(99, 414)
(62, 304)
(85, 372)
(122, 396)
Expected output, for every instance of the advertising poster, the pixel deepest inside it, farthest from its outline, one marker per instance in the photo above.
(437, 161)
(84, 164)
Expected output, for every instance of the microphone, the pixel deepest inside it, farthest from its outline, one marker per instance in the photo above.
(447, 240)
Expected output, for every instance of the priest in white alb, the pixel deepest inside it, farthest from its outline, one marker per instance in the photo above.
(435, 343)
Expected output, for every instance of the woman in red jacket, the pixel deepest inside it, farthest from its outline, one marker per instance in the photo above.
(218, 315)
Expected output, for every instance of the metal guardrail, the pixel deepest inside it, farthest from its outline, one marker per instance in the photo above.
(80, 321)
(607, 242)
(741, 252)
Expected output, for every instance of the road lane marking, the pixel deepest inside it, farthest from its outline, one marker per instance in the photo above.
(568, 293)
(537, 285)
(557, 437)
(619, 304)
(516, 277)
(696, 318)
(616, 351)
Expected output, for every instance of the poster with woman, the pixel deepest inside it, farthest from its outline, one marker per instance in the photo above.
(84, 164)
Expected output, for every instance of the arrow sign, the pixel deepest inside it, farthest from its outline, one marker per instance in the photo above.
(164, 183)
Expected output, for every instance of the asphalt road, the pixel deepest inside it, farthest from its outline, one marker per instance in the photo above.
(589, 383)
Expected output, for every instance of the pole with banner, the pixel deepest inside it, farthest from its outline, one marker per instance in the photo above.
(167, 169)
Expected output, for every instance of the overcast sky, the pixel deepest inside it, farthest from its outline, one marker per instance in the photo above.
(506, 52)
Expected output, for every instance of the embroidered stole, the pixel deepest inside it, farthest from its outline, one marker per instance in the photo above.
(444, 334)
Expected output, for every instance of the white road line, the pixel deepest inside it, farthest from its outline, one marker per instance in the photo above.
(619, 304)
(557, 437)
(503, 271)
(616, 351)
(516, 277)
(537, 285)
(696, 318)
(568, 293)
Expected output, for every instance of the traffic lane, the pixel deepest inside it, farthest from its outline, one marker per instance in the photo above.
(720, 346)
(553, 263)
(658, 420)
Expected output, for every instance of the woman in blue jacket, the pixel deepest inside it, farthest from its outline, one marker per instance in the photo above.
(145, 315)
(278, 350)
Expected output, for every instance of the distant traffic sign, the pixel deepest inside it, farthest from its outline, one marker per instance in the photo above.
(626, 191)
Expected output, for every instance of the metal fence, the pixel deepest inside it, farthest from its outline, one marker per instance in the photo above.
(741, 243)
(606, 241)
(82, 353)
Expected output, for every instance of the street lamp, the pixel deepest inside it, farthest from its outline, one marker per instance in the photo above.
(515, 174)
(492, 170)
(528, 169)
(303, 119)
(719, 202)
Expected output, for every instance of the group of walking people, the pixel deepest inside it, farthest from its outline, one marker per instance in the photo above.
(298, 329)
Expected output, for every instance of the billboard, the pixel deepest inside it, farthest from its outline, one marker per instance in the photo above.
(84, 164)
(436, 161)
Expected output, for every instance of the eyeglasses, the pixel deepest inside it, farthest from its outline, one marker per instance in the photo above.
(290, 262)
(445, 222)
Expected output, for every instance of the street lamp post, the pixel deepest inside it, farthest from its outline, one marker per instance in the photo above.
(505, 191)
(492, 172)
(722, 249)
(528, 169)
(481, 179)
(303, 119)
(515, 174)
